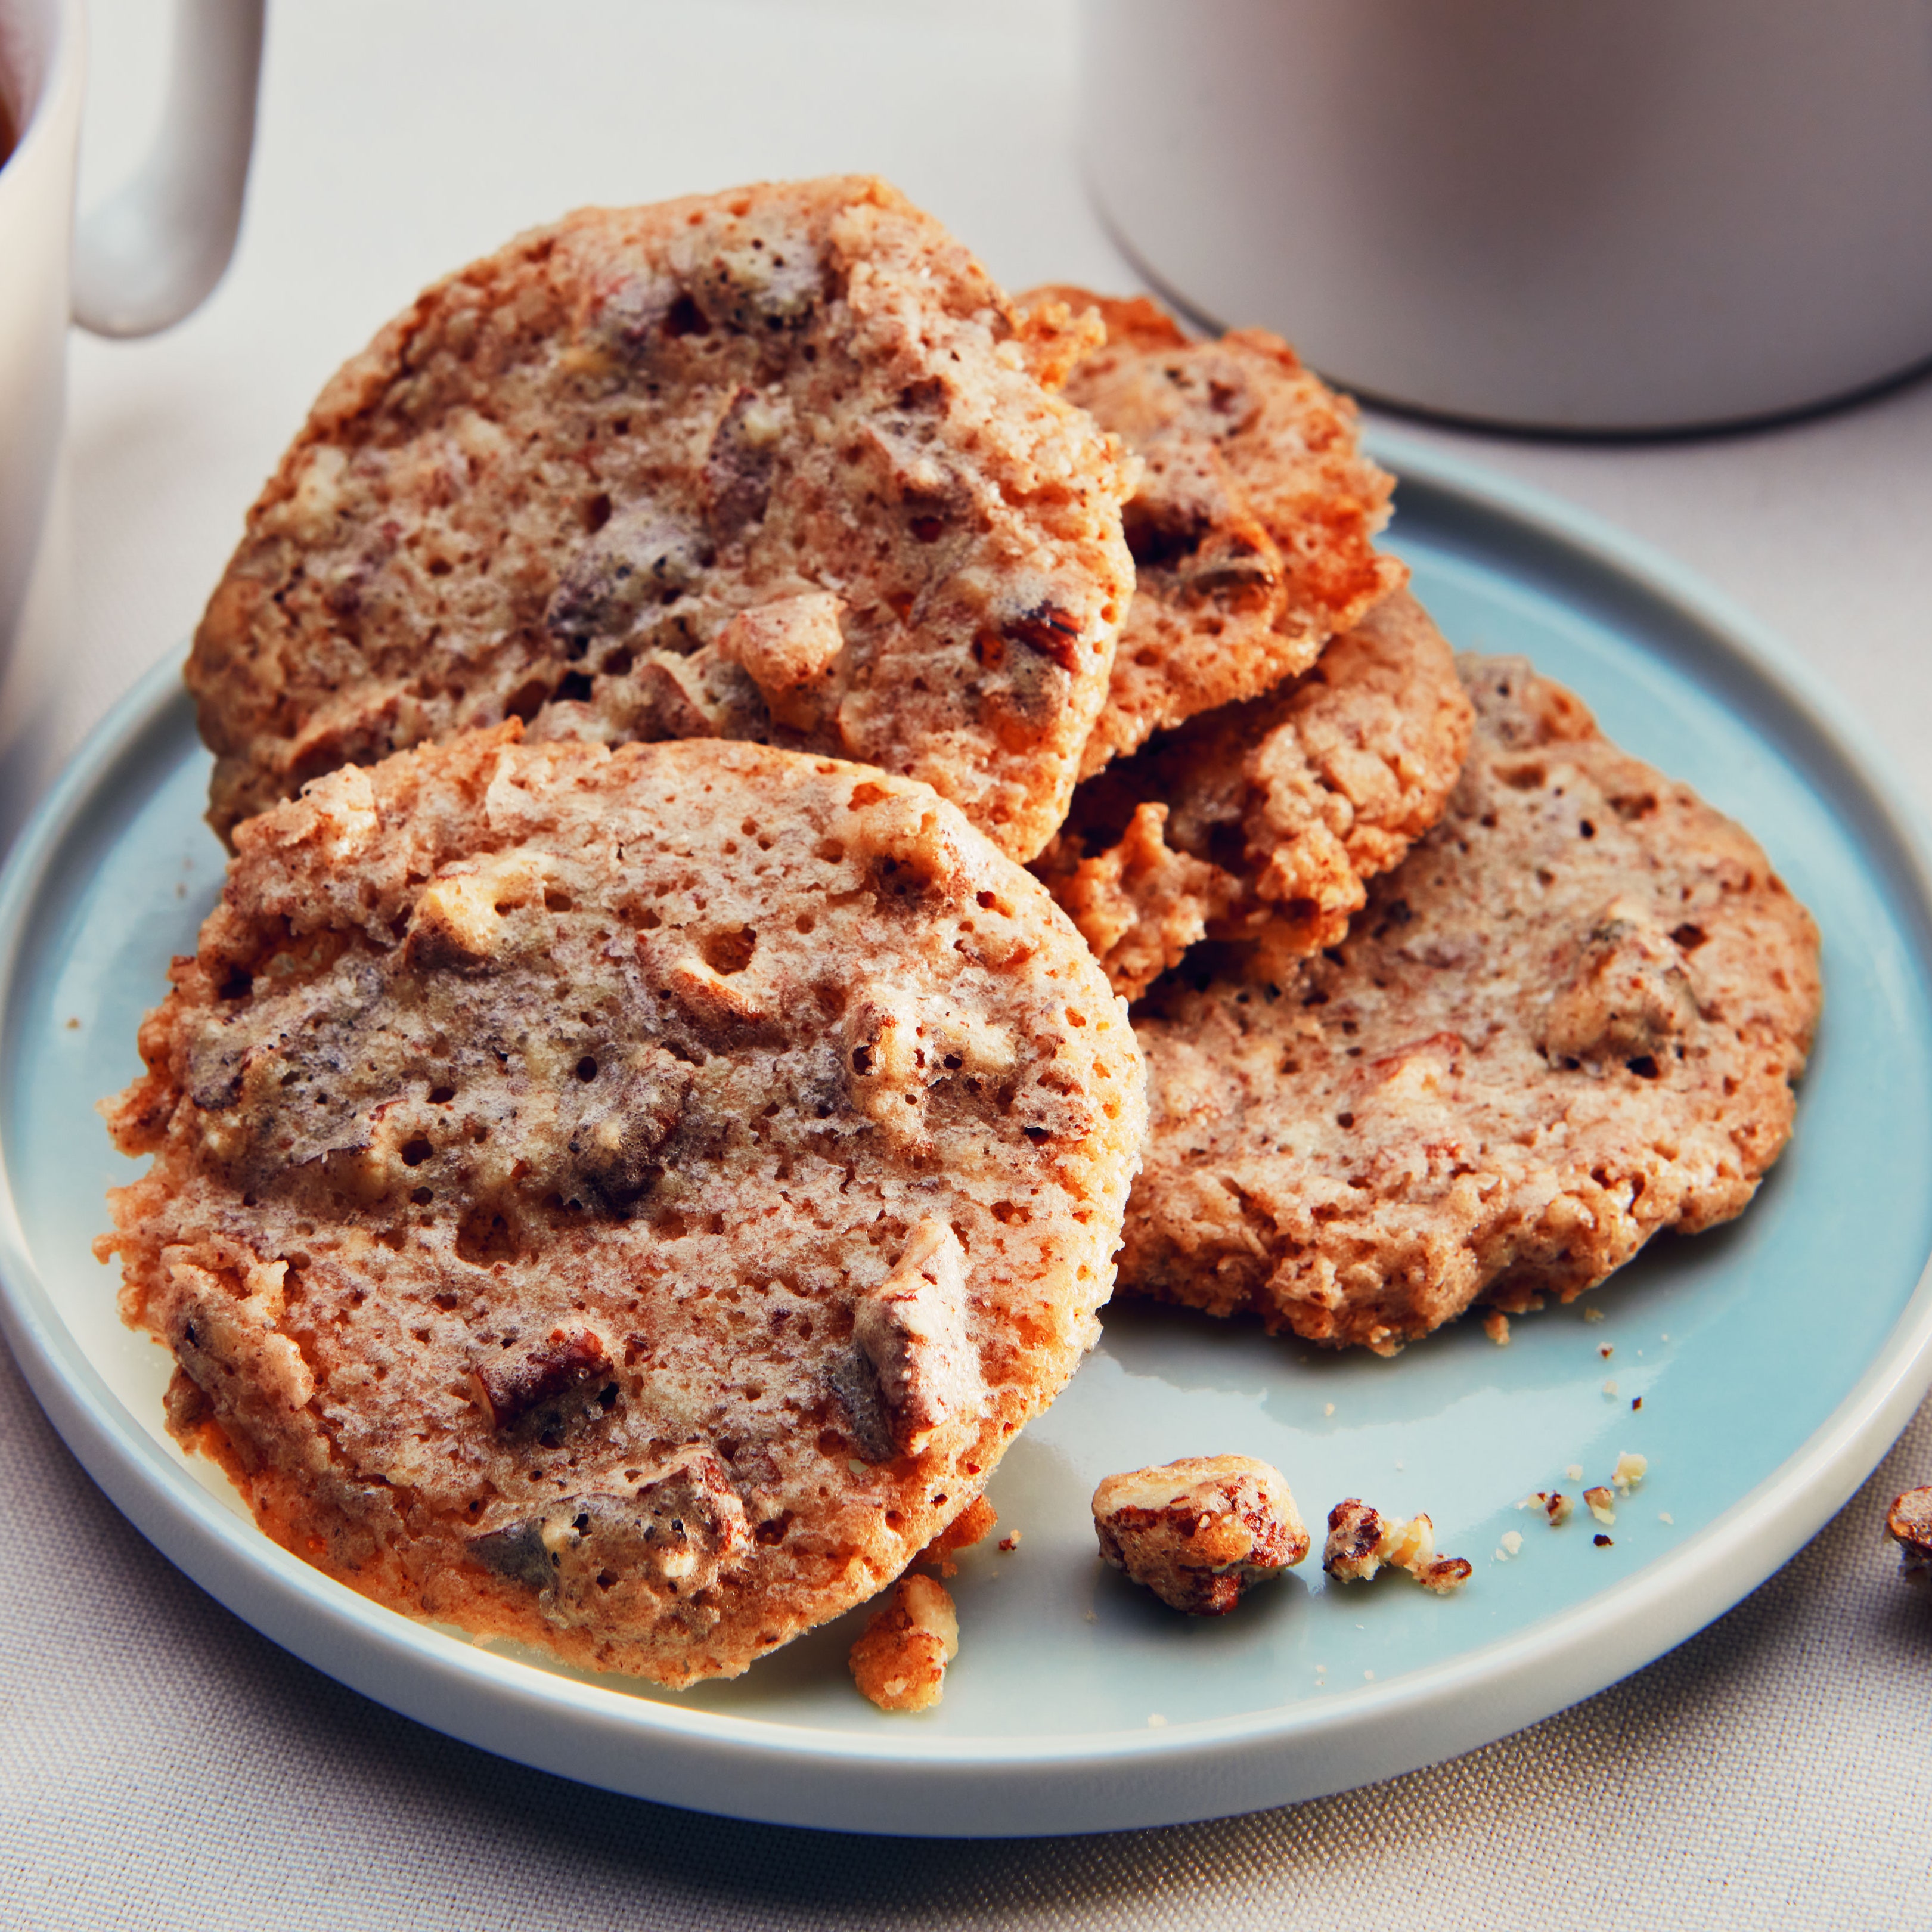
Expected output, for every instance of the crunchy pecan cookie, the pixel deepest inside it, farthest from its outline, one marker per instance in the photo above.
(1258, 822)
(1572, 1016)
(624, 1200)
(1251, 525)
(775, 465)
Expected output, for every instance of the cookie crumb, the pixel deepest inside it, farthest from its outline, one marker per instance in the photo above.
(1327, 1408)
(1574, 1471)
(1593, 1314)
(1909, 1523)
(1603, 1505)
(73, 1023)
(1636, 1402)
(1602, 1541)
(1201, 1531)
(1362, 1541)
(1631, 1470)
(1664, 1515)
(1008, 1544)
(1155, 1722)
(1558, 1508)
(1609, 1388)
(1513, 1541)
(900, 1661)
(1495, 1325)
(1606, 1351)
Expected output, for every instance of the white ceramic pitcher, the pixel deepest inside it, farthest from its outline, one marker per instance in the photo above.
(141, 261)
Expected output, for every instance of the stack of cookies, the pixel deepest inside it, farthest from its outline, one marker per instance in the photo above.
(635, 1142)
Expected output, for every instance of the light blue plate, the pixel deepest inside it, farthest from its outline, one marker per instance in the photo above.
(1775, 1359)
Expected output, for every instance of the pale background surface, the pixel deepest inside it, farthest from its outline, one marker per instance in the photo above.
(160, 1764)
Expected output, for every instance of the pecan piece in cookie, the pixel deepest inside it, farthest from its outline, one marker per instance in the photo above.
(912, 1327)
(1201, 1532)
(562, 1366)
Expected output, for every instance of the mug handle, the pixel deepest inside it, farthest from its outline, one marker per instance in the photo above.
(148, 255)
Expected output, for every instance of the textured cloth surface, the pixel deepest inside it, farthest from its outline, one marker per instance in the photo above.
(161, 1765)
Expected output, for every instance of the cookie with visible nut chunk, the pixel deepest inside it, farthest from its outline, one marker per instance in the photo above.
(1201, 1532)
(777, 464)
(899, 1661)
(623, 1200)
(1252, 523)
(1573, 1015)
(1258, 822)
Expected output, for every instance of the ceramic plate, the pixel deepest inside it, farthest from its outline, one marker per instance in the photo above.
(1775, 1359)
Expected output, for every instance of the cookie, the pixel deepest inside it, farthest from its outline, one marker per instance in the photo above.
(1252, 526)
(775, 465)
(1572, 1016)
(623, 1200)
(1258, 822)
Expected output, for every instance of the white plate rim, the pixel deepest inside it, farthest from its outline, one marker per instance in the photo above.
(899, 1783)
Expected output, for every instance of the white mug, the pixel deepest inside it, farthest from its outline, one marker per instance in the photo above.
(1566, 214)
(141, 261)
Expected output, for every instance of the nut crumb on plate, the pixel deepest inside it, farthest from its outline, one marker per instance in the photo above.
(1603, 1504)
(1909, 1524)
(1200, 1532)
(900, 1661)
(1362, 1541)
(1631, 1470)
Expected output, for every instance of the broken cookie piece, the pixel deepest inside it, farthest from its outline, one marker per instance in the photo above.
(900, 1661)
(1362, 1541)
(1199, 1532)
(1909, 1525)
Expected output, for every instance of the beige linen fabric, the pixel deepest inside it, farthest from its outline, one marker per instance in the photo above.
(162, 1765)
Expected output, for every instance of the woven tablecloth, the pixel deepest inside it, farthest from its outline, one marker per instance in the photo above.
(162, 1765)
